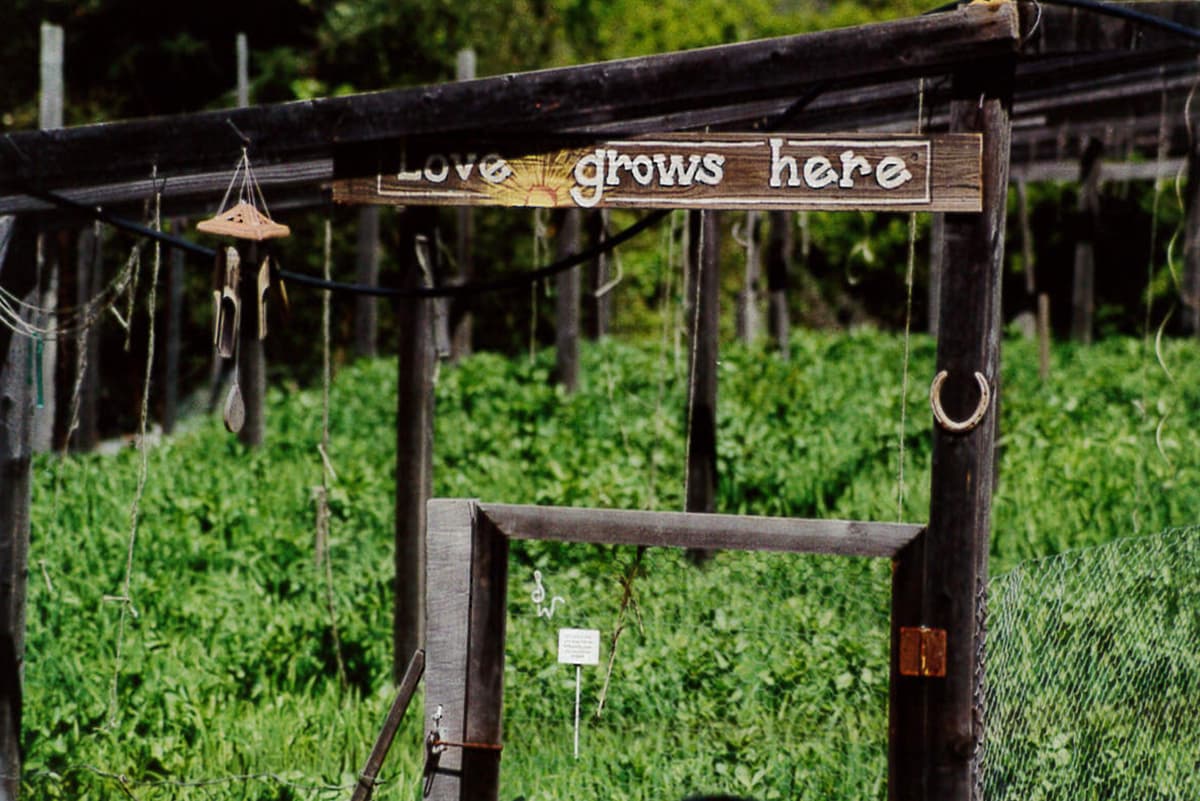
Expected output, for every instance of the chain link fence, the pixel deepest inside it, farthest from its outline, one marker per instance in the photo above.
(1093, 674)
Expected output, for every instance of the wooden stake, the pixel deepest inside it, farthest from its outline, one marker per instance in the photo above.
(366, 307)
(414, 440)
(50, 115)
(935, 724)
(780, 248)
(462, 321)
(175, 301)
(408, 685)
(468, 581)
(704, 327)
(748, 322)
(18, 276)
(1043, 325)
(566, 304)
(1083, 293)
(1191, 246)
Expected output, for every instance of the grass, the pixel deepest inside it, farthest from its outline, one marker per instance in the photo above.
(763, 675)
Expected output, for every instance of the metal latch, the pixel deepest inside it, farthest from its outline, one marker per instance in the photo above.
(922, 651)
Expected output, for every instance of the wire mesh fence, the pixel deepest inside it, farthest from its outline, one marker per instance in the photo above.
(1093, 674)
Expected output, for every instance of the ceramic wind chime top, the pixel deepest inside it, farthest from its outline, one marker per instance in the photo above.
(242, 219)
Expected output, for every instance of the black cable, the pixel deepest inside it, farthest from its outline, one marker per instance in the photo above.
(132, 227)
(510, 282)
(1106, 9)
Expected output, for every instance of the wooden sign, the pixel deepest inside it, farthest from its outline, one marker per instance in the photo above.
(685, 171)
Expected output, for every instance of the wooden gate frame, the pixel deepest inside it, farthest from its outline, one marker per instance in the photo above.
(939, 576)
(466, 600)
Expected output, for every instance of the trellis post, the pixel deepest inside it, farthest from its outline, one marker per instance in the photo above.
(939, 581)
(18, 277)
(414, 440)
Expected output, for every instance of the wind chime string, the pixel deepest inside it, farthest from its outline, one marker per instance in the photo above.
(125, 599)
(321, 492)
(908, 294)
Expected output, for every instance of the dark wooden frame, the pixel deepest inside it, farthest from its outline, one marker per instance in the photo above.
(467, 552)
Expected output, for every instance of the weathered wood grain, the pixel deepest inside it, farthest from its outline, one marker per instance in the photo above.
(383, 743)
(693, 530)
(451, 525)
(415, 365)
(934, 730)
(485, 663)
(539, 101)
(675, 170)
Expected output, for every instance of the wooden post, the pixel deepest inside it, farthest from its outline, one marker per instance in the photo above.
(50, 115)
(18, 245)
(414, 439)
(703, 249)
(175, 301)
(780, 247)
(566, 304)
(462, 322)
(466, 597)
(89, 258)
(1083, 292)
(1043, 326)
(748, 318)
(1191, 246)
(366, 307)
(939, 581)
(937, 248)
(242, 46)
(601, 304)
(1027, 255)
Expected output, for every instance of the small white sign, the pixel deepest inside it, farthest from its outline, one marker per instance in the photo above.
(578, 646)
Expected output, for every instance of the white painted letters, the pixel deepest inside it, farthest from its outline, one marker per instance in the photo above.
(892, 172)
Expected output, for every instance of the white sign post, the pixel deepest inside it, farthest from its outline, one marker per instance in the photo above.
(578, 647)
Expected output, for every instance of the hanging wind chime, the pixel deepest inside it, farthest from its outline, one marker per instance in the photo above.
(248, 219)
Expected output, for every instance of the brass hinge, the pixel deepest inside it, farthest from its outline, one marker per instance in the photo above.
(922, 651)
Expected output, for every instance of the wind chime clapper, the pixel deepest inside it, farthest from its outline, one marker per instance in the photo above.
(240, 220)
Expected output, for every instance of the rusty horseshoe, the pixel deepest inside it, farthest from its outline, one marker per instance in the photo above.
(943, 419)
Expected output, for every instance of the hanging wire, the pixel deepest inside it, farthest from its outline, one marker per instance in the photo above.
(125, 599)
(908, 296)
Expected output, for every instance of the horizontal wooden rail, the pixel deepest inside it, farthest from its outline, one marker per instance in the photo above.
(543, 101)
(692, 530)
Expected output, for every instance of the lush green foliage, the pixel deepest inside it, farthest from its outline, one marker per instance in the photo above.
(756, 674)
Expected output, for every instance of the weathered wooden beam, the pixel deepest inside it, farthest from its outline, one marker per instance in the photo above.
(391, 724)
(450, 542)
(694, 530)
(704, 263)
(18, 245)
(1190, 291)
(1110, 171)
(464, 688)
(779, 255)
(1083, 289)
(674, 170)
(567, 303)
(539, 101)
(939, 581)
(414, 439)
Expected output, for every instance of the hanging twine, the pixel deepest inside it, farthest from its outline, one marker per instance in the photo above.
(321, 492)
(908, 295)
(125, 599)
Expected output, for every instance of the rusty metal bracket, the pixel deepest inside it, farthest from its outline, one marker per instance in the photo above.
(922, 651)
